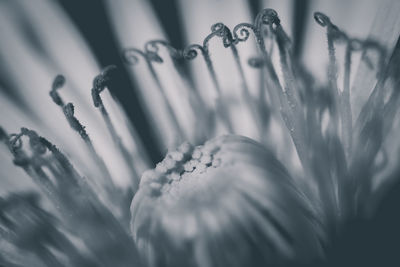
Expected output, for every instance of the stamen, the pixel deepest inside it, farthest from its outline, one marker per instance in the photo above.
(176, 55)
(131, 57)
(99, 84)
(333, 33)
(75, 124)
(77, 204)
(346, 112)
(263, 18)
(219, 29)
(190, 53)
(241, 33)
(290, 106)
(343, 99)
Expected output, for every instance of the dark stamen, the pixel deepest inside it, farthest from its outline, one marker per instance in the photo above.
(99, 84)
(76, 125)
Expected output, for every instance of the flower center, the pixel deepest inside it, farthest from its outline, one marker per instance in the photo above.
(231, 188)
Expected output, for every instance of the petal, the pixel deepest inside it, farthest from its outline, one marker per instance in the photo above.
(385, 29)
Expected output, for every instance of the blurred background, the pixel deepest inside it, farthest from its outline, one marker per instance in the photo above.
(366, 243)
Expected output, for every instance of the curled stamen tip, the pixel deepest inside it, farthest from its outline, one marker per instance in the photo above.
(58, 82)
(217, 26)
(190, 52)
(270, 16)
(322, 19)
(69, 110)
(101, 80)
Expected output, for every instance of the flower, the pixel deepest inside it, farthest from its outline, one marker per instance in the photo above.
(324, 152)
(228, 197)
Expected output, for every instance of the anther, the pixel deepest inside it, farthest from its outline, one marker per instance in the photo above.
(100, 82)
(34, 141)
(69, 111)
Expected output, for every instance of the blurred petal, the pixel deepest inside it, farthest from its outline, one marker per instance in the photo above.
(385, 30)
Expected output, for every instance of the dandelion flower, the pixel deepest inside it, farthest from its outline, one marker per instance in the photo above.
(273, 145)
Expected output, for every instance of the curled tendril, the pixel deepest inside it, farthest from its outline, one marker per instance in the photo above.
(152, 48)
(58, 83)
(267, 16)
(241, 32)
(100, 82)
(190, 52)
(220, 30)
(131, 55)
